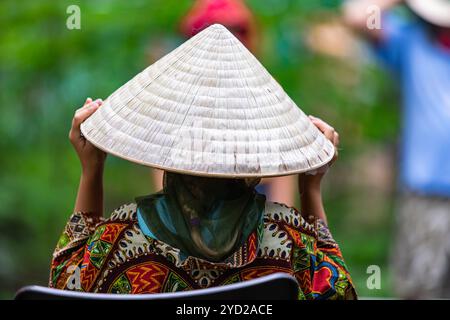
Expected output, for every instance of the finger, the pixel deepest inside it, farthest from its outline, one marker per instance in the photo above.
(336, 144)
(92, 104)
(97, 101)
(336, 154)
(84, 113)
(80, 115)
(327, 130)
(336, 139)
(88, 100)
(320, 124)
(324, 127)
(329, 133)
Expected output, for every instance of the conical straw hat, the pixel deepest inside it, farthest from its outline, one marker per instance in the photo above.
(208, 108)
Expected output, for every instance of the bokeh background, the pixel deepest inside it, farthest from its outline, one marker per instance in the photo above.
(47, 71)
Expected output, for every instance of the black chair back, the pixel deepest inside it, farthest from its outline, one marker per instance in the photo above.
(277, 286)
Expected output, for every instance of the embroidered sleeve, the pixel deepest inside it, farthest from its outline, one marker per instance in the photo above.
(330, 276)
(69, 250)
(323, 235)
(316, 259)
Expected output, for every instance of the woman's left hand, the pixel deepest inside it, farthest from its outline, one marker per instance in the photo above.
(313, 180)
(329, 132)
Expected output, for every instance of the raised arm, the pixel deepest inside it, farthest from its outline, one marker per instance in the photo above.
(357, 12)
(309, 185)
(90, 191)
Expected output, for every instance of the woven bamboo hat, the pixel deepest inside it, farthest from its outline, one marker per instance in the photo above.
(434, 11)
(208, 108)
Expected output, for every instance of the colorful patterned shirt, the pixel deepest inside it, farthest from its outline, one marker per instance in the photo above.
(114, 256)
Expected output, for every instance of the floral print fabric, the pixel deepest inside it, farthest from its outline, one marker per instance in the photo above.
(114, 256)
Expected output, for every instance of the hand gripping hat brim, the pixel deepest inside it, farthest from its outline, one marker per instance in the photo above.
(208, 108)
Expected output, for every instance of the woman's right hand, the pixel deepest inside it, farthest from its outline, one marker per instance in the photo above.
(92, 159)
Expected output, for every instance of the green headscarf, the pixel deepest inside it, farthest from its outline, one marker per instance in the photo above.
(208, 218)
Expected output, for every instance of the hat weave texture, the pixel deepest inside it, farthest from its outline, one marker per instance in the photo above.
(208, 108)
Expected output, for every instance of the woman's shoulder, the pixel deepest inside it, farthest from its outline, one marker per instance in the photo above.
(282, 210)
(290, 216)
(295, 223)
(124, 213)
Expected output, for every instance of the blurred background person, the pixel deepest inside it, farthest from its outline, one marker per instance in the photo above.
(417, 50)
(237, 18)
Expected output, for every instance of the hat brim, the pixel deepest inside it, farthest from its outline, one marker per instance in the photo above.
(209, 108)
(436, 12)
(324, 162)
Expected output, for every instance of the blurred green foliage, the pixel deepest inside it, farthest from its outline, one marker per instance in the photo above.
(46, 72)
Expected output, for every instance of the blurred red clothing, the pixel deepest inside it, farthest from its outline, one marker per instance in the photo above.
(233, 14)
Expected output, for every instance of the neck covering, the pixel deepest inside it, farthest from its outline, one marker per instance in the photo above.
(208, 218)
